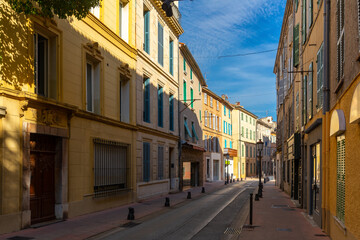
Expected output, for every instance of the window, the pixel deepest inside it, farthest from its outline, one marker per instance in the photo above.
(184, 86)
(305, 102)
(250, 151)
(211, 101)
(109, 155)
(296, 45)
(146, 112)
(171, 57)
(192, 98)
(160, 44)
(242, 150)
(220, 124)
(206, 118)
(242, 168)
(160, 107)
(205, 143)
(242, 131)
(303, 25)
(200, 115)
(247, 151)
(250, 134)
(93, 87)
(247, 133)
(184, 65)
(95, 11)
(124, 96)
(296, 5)
(340, 39)
(224, 127)
(190, 74)
(123, 21)
(205, 98)
(187, 130)
(160, 162)
(225, 143)
(230, 144)
(319, 76)
(242, 116)
(297, 111)
(254, 135)
(171, 112)
(210, 119)
(246, 118)
(251, 168)
(340, 179)
(229, 113)
(194, 135)
(254, 152)
(209, 140)
(214, 121)
(224, 111)
(147, 31)
(217, 105)
(146, 161)
(45, 65)
(310, 92)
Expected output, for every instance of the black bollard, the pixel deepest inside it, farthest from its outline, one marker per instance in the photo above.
(237, 179)
(189, 195)
(225, 182)
(251, 208)
(131, 215)
(203, 190)
(167, 202)
(257, 197)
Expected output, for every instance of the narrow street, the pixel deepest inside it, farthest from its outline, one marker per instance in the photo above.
(203, 218)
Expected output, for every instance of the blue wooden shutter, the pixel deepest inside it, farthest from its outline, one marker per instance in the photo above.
(146, 161)
(146, 116)
(160, 44)
(171, 112)
(171, 57)
(225, 144)
(147, 32)
(160, 107)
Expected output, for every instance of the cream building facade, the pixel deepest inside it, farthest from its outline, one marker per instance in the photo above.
(70, 114)
(157, 85)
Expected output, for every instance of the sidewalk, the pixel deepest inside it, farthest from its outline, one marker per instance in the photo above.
(85, 226)
(276, 217)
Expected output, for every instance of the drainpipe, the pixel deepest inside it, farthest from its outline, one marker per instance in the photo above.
(179, 122)
(326, 109)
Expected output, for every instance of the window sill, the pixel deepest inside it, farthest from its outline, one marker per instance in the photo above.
(340, 225)
(339, 85)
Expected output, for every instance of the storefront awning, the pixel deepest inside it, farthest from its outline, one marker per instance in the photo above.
(355, 106)
(337, 122)
(194, 147)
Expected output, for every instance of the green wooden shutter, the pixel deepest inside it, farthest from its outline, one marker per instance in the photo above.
(184, 65)
(190, 73)
(171, 112)
(147, 32)
(184, 91)
(310, 91)
(200, 115)
(242, 150)
(160, 107)
(340, 179)
(310, 12)
(192, 97)
(303, 26)
(296, 5)
(296, 45)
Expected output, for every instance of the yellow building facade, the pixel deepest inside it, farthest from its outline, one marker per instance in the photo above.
(68, 99)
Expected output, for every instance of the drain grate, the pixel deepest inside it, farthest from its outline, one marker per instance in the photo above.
(284, 230)
(232, 231)
(279, 206)
(130, 224)
(20, 238)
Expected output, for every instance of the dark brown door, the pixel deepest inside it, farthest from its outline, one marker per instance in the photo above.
(42, 183)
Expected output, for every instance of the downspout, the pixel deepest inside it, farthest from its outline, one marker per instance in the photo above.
(326, 109)
(179, 122)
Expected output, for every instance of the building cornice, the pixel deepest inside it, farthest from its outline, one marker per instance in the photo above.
(158, 133)
(192, 62)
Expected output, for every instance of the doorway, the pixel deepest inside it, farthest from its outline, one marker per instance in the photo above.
(216, 170)
(194, 174)
(315, 183)
(42, 179)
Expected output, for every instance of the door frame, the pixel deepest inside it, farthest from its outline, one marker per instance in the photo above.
(61, 170)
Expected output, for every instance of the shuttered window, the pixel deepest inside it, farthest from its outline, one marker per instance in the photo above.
(192, 97)
(190, 73)
(160, 44)
(225, 143)
(146, 112)
(206, 118)
(171, 57)
(146, 161)
(147, 31)
(171, 112)
(310, 91)
(310, 14)
(305, 102)
(242, 151)
(303, 25)
(184, 65)
(200, 115)
(110, 167)
(160, 162)
(296, 5)
(296, 45)
(184, 86)
(340, 39)
(319, 76)
(160, 107)
(340, 179)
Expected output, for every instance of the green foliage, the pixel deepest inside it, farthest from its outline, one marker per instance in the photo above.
(49, 8)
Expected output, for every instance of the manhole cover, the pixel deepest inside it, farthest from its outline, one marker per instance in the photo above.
(130, 224)
(232, 231)
(279, 206)
(20, 238)
(284, 229)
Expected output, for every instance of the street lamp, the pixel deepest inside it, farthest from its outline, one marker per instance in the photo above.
(259, 146)
(227, 167)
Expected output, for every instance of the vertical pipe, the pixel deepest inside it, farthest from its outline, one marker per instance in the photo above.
(251, 208)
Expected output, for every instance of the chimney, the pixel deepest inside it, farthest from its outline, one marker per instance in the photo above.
(237, 103)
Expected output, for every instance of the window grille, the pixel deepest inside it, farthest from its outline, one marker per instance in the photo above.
(340, 179)
(110, 167)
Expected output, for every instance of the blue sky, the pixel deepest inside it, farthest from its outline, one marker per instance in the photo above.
(225, 27)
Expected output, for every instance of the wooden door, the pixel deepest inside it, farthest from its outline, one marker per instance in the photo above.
(42, 183)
